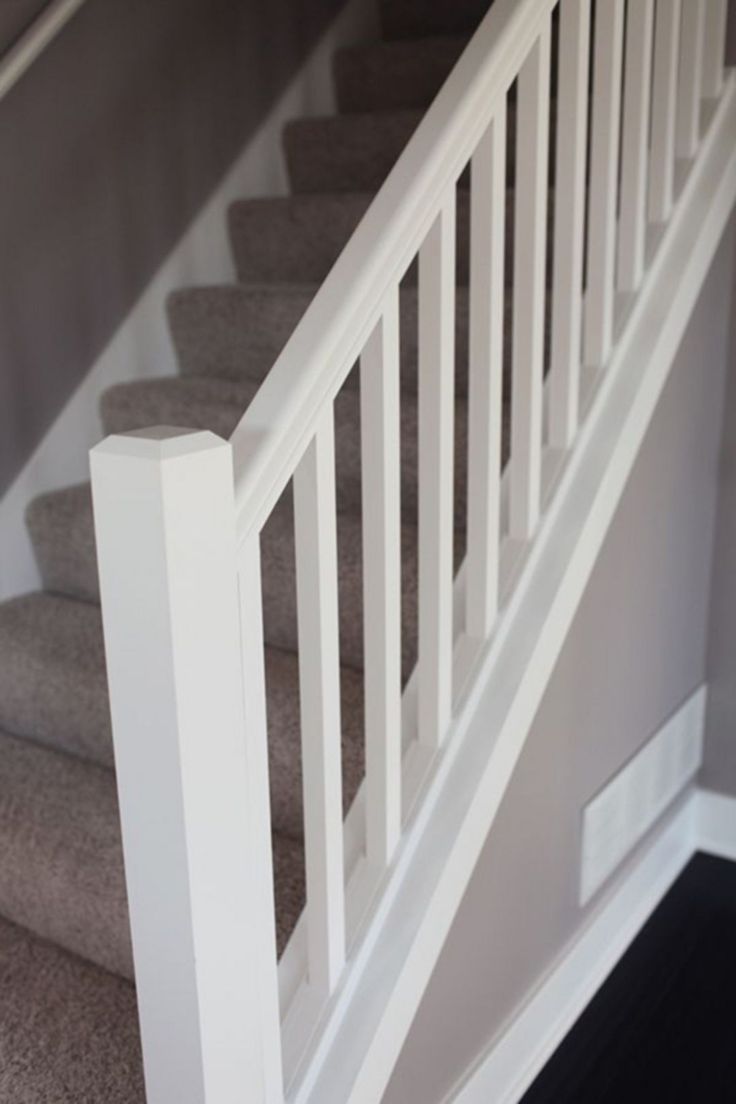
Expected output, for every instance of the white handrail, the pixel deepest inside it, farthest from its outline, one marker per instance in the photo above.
(34, 41)
(282, 418)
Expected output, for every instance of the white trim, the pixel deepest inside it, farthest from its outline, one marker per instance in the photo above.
(716, 824)
(704, 822)
(141, 346)
(631, 803)
(34, 41)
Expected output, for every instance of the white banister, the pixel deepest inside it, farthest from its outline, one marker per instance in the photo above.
(319, 691)
(381, 473)
(690, 78)
(530, 239)
(436, 433)
(664, 104)
(259, 810)
(485, 376)
(604, 151)
(196, 830)
(714, 47)
(569, 231)
(635, 144)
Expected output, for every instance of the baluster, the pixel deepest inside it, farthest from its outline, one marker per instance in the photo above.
(436, 431)
(259, 807)
(380, 473)
(690, 78)
(530, 234)
(635, 144)
(664, 100)
(485, 379)
(714, 47)
(605, 130)
(190, 752)
(319, 691)
(572, 122)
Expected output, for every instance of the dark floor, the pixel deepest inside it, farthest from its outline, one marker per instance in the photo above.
(663, 1027)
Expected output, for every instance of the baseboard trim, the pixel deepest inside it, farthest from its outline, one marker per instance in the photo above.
(705, 821)
(141, 348)
(716, 824)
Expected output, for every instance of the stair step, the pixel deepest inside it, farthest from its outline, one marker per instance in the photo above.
(386, 76)
(415, 18)
(63, 535)
(217, 405)
(62, 875)
(68, 1030)
(275, 257)
(52, 674)
(223, 331)
(346, 153)
(62, 871)
(53, 689)
(292, 239)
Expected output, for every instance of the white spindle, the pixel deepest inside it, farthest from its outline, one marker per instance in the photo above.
(530, 236)
(571, 149)
(664, 103)
(604, 151)
(690, 78)
(714, 47)
(194, 815)
(485, 379)
(319, 691)
(436, 432)
(258, 802)
(635, 144)
(380, 473)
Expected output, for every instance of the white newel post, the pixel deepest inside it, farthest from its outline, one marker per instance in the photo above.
(196, 832)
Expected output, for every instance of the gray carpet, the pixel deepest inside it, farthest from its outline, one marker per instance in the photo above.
(67, 1008)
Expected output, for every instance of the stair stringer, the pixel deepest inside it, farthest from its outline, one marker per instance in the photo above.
(350, 1053)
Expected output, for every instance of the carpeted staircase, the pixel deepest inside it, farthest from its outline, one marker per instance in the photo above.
(68, 1027)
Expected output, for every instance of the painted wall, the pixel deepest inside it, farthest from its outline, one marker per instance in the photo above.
(15, 17)
(109, 146)
(636, 650)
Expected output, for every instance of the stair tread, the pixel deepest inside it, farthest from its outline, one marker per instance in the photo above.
(293, 239)
(384, 76)
(62, 875)
(217, 405)
(53, 689)
(61, 524)
(68, 1029)
(350, 153)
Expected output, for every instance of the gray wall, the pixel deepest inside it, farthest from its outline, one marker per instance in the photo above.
(109, 146)
(15, 17)
(636, 650)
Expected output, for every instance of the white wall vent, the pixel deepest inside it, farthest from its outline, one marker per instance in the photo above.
(620, 815)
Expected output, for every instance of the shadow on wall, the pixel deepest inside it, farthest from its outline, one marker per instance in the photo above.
(15, 17)
(109, 147)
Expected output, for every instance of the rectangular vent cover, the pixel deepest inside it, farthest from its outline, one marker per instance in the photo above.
(621, 814)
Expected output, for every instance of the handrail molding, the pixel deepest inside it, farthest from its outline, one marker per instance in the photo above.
(32, 43)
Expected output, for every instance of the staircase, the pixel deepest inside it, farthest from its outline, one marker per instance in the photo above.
(452, 484)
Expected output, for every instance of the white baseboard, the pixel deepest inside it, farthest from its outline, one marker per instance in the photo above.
(141, 348)
(716, 824)
(503, 1073)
